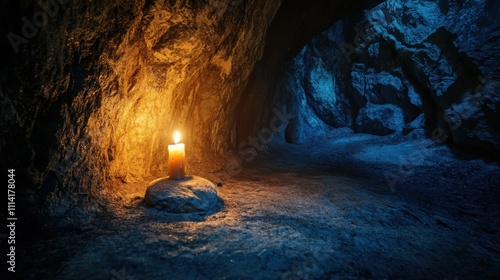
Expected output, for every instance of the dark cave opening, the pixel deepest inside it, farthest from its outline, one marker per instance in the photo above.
(323, 139)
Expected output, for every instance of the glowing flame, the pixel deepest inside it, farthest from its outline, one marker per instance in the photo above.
(177, 137)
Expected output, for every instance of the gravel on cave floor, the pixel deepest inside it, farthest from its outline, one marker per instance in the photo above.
(319, 210)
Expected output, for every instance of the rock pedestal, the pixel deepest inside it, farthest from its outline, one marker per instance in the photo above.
(190, 195)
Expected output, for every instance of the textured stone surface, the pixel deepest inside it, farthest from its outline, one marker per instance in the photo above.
(92, 101)
(192, 194)
(380, 119)
(306, 124)
(433, 57)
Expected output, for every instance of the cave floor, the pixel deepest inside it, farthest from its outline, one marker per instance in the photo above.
(320, 210)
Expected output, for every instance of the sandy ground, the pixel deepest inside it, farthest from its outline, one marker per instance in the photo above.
(321, 210)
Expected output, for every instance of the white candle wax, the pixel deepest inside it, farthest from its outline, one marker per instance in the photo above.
(176, 157)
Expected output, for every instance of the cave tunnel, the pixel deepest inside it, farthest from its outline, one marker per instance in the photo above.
(318, 139)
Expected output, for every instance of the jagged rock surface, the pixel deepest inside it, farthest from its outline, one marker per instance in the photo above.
(438, 58)
(92, 100)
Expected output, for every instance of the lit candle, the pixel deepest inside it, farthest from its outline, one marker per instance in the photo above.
(176, 159)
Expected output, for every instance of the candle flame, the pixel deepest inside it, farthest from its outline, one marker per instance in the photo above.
(177, 137)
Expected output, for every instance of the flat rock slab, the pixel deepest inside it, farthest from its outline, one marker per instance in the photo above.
(190, 195)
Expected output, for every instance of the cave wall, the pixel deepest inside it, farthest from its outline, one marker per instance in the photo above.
(93, 93)
(294, 25)
(404, 66)
(93, 98)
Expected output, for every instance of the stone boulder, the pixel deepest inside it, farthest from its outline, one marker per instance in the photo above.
(380, 119)
(193, 194)
(385, 87)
